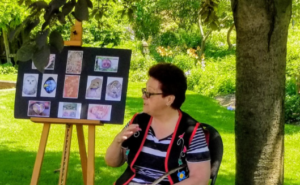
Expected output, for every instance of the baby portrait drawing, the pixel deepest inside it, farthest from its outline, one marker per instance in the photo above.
(94, 87)
(30, 82)
(99, 112)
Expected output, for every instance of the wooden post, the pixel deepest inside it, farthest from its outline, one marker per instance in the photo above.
(40, 155)
(82, 151)
(6, 44)
(91, 156)
(76, 35)
(65, 156)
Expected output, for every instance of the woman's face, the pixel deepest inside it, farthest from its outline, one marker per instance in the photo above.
(155, 103)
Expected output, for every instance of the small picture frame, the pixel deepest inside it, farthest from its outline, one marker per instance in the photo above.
(106, 64)
(49, 84)
(74, 62)
(30, 83)
(99, 112)
(94, 87)
(114, 89)
(71, 86)
(69, 110)
(38, 108)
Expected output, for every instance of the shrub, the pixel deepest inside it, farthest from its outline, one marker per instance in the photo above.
(184, 62)
(216, 78)
(7, 69)
(292, 108)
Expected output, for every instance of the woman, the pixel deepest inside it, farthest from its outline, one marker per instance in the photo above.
(163, 137)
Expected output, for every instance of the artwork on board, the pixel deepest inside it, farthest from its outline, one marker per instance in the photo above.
(39, 108)
(71, 86)
(94, 87)
(30, 82)
(99, 112)
(50, 65)
(49, 84)
(74, 62)
(106, 64)
(69, 110)
(114, 88)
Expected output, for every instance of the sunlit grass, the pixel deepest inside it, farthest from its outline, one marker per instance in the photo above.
(19, 140)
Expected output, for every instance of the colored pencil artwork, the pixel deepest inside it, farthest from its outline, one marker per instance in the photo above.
(71, 86)
(30, 82)
(99, 112)
(39, 108)
(106, 64)
(69, 110)
(74, 62)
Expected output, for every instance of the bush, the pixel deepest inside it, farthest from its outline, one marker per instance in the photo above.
(139, 66)
(216, 78)
(7, 69)
(184, 62)
(292, 109)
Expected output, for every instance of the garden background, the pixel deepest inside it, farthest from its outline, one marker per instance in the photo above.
(155, 32)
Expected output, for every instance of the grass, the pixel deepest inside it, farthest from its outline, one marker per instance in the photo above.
(19, 142)
(9, 77)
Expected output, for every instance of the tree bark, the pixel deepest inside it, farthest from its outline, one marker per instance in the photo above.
(262, 29)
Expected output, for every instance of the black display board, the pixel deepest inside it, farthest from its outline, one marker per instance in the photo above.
(78, 83)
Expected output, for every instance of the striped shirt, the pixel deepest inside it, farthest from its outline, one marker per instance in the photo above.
(150, 163)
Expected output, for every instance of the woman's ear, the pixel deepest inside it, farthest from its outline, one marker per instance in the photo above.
(170, 99)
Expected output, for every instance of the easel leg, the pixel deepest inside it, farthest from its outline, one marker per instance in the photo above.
(40, 155)
(82, 151)
(66, 155)
(91, 156)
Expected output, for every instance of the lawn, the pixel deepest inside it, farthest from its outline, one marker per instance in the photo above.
(19, 141)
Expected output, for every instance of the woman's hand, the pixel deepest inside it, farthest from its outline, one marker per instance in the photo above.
(115, 154)
(127, 133)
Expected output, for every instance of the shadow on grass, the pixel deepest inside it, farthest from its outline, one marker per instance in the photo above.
(17, 169)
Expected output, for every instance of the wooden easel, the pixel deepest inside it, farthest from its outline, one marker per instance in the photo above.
(87, 162)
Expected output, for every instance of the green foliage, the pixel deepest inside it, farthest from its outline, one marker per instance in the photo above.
(184, 62)
(11, 14)
(146, 22)
(139, 66)
(7, 69)
(217, 78)
(292, 109)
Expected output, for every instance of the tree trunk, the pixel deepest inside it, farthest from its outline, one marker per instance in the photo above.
(7, 52)
(262, 28)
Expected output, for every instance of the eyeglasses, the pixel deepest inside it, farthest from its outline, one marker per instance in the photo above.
(149, 94)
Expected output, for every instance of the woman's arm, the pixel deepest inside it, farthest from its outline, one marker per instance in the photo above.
(115, 154)
(199, 174)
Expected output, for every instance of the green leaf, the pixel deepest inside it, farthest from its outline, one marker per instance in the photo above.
(61, 18)
(68, 7)
(30, 25)
(89, 4)
(26, 51)
(56, 40)
(41, 38)
(15, 32)
(41, 58)
(27, 2)
(81, 10)
(38, 5)
(20, 2)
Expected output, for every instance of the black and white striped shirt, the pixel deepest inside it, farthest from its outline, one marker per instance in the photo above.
(150, 163)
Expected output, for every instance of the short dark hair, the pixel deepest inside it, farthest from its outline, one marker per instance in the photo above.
(173, 81)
